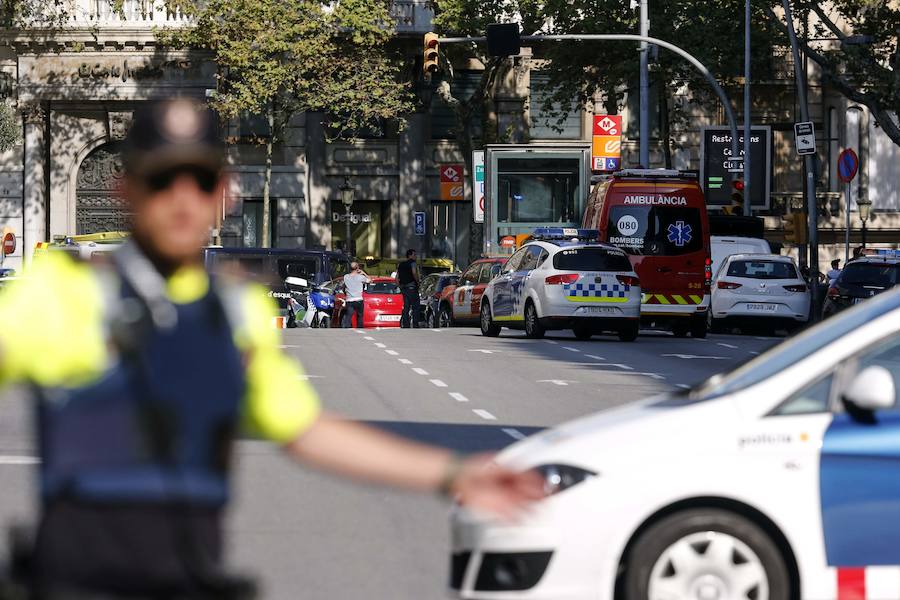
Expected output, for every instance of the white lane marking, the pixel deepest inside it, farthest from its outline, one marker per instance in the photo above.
(556, 381)
(405, 361)
(483, 351)
(436, 330)
(650, 375)
(438, 382)
(683, 386)
(570, 349)
(420, 371)
(514, 433)
(755, 353)
(19, 460)
(550, 342)
(724, 345)
(694, 356)
(308, 377)
(392, 352)
(458, 397)
(284, 347)
(380, 345)
(617, 365)
(484, 414)
(370, 338)
(595, 357)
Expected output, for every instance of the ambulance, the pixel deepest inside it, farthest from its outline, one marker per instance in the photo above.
(658, 217)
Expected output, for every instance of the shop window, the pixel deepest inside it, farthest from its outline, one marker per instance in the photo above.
(555, 121)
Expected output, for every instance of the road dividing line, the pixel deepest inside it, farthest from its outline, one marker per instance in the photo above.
(650, 375)
(694, 356)
(405, 361)
(555, 381)
(755, 353)
(484, 414)
(483, 351)
(595, 357)
(571, 349)
(550, 342)
(436, 330)
(683, 386)
(420, 371)
(438, 382)
(380, 345)
(458, 397)
(724, 345)
(308, 377)
(370, 338)
(286, 347)
(514, 433)
(19, 460)
(392, 352)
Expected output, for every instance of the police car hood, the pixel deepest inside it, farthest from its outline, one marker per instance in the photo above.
(667, 423)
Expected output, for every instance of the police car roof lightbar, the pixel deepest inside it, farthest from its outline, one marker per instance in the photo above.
(565, 233)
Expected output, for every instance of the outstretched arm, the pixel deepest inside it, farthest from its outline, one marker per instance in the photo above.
(363, 453)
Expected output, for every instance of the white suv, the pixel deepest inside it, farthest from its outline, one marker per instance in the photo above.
(560, 281)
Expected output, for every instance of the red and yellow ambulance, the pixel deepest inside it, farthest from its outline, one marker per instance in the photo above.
(658, 217)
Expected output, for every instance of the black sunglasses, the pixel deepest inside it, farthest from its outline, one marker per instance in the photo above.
(206, 179)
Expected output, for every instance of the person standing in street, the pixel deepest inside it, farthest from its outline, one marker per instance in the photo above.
(354, 283)
(408, 278)
(147, 370)
(835, 271)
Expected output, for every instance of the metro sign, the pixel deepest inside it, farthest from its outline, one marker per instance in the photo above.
(608, 125)
(451, 173)
(606, 143)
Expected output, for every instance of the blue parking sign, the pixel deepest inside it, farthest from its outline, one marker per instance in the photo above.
(612, 164)
(419, 220)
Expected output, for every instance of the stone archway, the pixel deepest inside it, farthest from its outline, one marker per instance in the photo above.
(98, 205)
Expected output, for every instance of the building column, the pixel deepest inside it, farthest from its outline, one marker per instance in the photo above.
(412, 189)
(317, 191)
(34, 225)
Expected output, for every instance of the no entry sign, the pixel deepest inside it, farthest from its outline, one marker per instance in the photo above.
(848, 165)
(9, 244)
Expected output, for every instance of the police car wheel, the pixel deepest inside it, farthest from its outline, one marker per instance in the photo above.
(698, 327)
(629, 332)
(488, 328)
(712, 324)
(533, 327)
(705, 554)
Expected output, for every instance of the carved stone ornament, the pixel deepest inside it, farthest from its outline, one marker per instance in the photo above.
(98, 207)
(118, 123)
(33, 113)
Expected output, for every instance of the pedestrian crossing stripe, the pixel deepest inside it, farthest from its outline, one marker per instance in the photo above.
(671, 299)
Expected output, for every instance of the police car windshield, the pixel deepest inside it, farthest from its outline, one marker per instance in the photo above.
(795, 349)
(874, 274)
(590, 259)
(655, 230)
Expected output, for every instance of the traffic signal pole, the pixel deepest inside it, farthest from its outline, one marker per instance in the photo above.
(748, 187)
(809, 163)
(627, 37)
(645, 88)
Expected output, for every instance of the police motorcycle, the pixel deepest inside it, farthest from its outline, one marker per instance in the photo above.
(315, 302)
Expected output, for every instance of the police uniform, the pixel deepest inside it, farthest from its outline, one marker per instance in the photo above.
(142, 383)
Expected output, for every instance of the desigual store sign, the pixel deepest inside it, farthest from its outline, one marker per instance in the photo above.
(365, 227)
(112, 76)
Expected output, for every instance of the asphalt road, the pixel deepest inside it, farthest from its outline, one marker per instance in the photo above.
(309, 536)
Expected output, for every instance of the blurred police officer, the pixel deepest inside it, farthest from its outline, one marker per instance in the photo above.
(147, 369)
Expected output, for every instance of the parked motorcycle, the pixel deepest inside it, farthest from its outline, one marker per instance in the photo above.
(317, 303)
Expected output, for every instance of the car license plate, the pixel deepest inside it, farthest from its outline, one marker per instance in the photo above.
(762, 307)
(388, 317)
(598, 310)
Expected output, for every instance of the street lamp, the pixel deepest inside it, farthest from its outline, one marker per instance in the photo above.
(865, 210)
(347, 193)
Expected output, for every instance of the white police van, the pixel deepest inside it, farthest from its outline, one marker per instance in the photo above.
(564, 279)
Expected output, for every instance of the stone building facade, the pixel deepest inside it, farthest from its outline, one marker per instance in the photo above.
(77, 89)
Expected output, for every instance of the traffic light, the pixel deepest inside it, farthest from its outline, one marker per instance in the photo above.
(737, 192)
(431, 53)
(504, 39)
(795, 228)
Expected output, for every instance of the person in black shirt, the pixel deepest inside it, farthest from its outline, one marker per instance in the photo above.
(408, 278)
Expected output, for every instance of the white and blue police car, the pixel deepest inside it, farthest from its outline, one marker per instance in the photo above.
(779, 480)
(562, 279)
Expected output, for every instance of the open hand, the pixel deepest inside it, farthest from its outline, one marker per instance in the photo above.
(481, 484)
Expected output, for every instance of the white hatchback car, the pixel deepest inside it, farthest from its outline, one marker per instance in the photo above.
(559, 281)
(763, 289)
(777, 481)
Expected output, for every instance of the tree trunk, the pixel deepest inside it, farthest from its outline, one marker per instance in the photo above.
(664, 121)
(267, 201)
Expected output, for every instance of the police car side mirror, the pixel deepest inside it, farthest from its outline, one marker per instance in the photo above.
(871, 390)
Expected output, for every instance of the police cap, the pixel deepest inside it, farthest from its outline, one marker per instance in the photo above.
(172, 133)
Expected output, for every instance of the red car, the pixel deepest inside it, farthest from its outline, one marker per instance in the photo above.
(461, 303)
(382, 303)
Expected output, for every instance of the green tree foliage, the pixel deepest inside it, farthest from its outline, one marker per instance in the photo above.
(282, 57)
(868, 72)
(10, 127)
